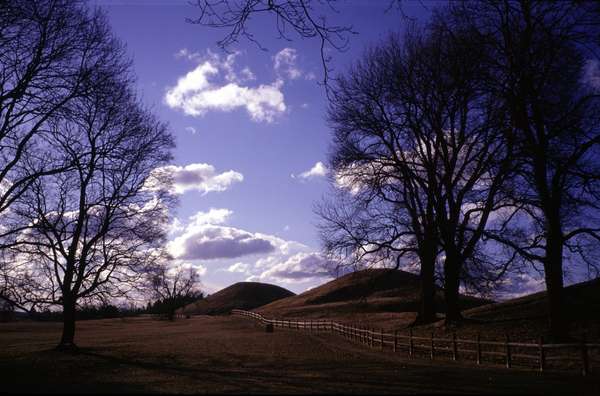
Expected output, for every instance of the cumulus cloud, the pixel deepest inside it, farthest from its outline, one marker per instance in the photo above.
(213, 242)
(200, 269)
(187, 54)
(206, 237)
(238, 267)
(300, 267)
(318, 170)
(213, 216)
(247, 74)
(284, 63)
(196, 93)
(200, 177)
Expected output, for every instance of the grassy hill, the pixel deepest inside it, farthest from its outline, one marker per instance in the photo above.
(371, 291)
(581, 299)
(241, 295)
(527, 317)
(389, 299)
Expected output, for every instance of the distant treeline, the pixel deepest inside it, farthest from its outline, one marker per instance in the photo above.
(167, 306)
(107, 311)
(163, 307)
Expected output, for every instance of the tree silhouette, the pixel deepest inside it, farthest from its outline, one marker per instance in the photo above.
(174, 287)
(418, 142)
(538, 54)
(90, 231)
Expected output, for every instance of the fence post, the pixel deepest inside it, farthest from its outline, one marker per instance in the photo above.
(432, 347)
(410, 343)
(478, 348)
(381, 339)
(542, 355)
(395, 340)
(454, 351)
(584, 357)
(508, 357)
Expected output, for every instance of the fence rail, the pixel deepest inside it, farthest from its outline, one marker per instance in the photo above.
(507, 353)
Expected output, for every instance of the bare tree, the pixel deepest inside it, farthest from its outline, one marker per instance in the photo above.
(93, 229)
(368, 223)
(290, 16)
(174, 287)
(414, 129)
(51, 53)
(539, 55)
(304, 17)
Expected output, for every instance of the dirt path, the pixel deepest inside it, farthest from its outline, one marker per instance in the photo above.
(234, 355)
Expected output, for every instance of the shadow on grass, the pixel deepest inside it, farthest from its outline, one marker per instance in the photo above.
(92, 370)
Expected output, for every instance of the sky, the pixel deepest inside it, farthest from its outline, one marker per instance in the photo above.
(251, 134)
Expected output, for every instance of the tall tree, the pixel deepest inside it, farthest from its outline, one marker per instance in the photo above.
(90, 231)
(414, 129)
(540, 55)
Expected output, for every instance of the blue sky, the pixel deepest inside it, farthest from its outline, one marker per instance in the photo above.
(250, 130)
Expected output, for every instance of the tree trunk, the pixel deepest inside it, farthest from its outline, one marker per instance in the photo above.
(553, 273)
(451, 289)
(427, 306)
(67, 341)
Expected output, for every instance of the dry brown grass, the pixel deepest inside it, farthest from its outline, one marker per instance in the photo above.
(362, 293)
(230, 354)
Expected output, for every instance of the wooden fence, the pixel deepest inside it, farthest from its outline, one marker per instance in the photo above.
(539, 356)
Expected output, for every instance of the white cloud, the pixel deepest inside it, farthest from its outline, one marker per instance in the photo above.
(205, 237)
(238, 267)
(285, 64)
(247, 74)
(300, 267)
(213, 216)
(200, 268)
(187, 54)
(195, 93)
(191, 130)
(318, 170)
(200, 177)
(267, 258)
(175, 227)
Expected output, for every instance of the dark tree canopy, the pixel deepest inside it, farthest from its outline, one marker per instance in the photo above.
(539, 55)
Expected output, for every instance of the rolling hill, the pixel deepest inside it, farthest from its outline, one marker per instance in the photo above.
(582, 301)
(241, 295)
(367, 291)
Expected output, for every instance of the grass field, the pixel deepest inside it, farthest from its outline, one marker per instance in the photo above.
(228, 354)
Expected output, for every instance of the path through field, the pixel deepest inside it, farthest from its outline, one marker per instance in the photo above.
(235, 355)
